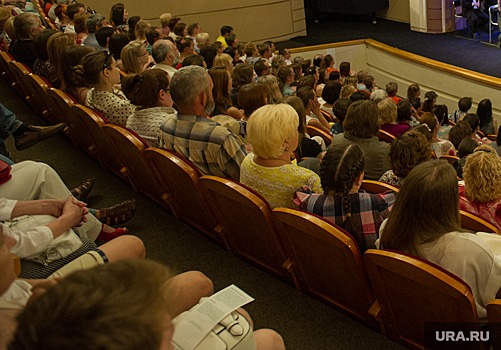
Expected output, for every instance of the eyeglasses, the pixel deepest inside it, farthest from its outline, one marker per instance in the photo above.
(107, 54)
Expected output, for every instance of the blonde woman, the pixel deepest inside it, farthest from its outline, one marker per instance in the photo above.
(271, 82)
(273, 133)
(481, 192)
(55, 46)
(224, 60)
(135, 58)
(387, 111)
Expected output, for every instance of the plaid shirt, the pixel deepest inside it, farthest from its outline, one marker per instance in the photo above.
(212, 148)
(367, 213)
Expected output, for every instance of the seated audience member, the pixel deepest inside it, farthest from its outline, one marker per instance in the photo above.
(164, 22)
(370, 83)
(70, 83)
(474, 121)
(153, 34)
(286, 53)
(481, 193)
(441, 113)
(135, 58)
(418, 107)
(140, 30)
(81, 31)
(378, 96)
(464, 105)
(55, 46)
(26, 26)
(466, 147)
(209, 54)
(345, 71)
(150, 92)
(361, 126)
(194, 60)
(5, 39)
(413, 91)
(406, 152)
(347, 91)
(116, 44)
(405, 113)
(100, 71)
(242, 74)
(475, 15)
(439, 146)
(330, 94)
(313, 115)
(252, 96)
(233, 53)
(433, 232)
(224, 60)
(202, 40)
(222, 85)
(41, 66)
(430, 99)
(141, 295)
(251, 53)
(185, 47)
(212, 148)
(265, 51)
(484, 112)
(340, 108)
(392, 90)
(172, 23)
(271, 82)
(342, 202)
(273, 134)
(308, 146)
(118, 15)
(262, 67)
(166, 56)
(93, 24)
(361, 75)
(387, 110)
(351, 80)
(193, 30)
(225, 31)
(459, 132)
(103, 36)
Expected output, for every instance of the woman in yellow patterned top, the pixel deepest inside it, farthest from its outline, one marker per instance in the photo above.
(273, 133)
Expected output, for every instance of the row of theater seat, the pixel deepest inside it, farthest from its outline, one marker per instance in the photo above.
(388, 291)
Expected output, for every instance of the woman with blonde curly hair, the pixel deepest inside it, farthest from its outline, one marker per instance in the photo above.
(134, 57)
(481, 192)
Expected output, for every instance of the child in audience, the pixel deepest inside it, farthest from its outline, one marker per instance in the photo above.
(481, 193)
(484, 112)
(340, 109)
(442, 113)
(464, 105)
(433, 231)
(406, 152)
(466, 147)
(430, 99)
(359, 213)
(459, 132)
(439, 146)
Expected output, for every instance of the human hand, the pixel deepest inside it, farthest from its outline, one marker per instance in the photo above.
(75, 211)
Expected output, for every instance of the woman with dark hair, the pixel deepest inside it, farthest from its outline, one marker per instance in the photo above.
(342, 203)
(438, 145)
(484, 112)
(233, 52)
(116, 43)
(150, 92)
(313, 115)
(118, 15)
(330, 94)
(442, 114)
(41, 66)
(194, 60)
(243, 73)
(71, 57)
(99, 70)
(208, 53)
(186, 47)
(433, 231)
(466, 147)
(430, 98)
(222, 85)
(344, 71)
(132, 26)
(406, 152)
(413, 91)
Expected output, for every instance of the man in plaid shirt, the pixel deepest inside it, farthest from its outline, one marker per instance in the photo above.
(212, 148)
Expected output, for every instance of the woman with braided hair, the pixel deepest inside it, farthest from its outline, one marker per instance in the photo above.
(342, 203)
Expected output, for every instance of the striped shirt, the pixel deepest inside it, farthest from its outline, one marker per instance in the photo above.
(212, 148)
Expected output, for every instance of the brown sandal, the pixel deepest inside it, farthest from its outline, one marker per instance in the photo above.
(82, 192)
(119, 213)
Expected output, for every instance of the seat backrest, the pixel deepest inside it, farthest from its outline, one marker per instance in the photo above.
(5, 58)
(314, 131)
(372, 186)
(327, 116)
(412, 292)
(182, 190)
(94, 141)
(449, 158)
(326, 261)
(130, 151)
(19, 71)
(37, 89)
(385, 136)
(473, 223)
(248, 227)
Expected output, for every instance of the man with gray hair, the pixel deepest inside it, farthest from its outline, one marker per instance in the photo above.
(166, 56)
(93, 24)
(212, 148)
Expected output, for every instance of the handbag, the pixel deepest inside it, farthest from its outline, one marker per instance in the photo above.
(233, 332)
(5, 174)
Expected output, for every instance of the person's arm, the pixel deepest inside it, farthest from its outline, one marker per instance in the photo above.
(234, 113)
(231, 154)
(315, 107)
(73, 215)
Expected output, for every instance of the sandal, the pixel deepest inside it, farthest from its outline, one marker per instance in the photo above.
(82, 192)
(119, 213)
(108, 236)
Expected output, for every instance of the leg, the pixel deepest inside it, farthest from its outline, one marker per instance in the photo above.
(125, 247)
(268, 339)
(32, 180)
(186, 289)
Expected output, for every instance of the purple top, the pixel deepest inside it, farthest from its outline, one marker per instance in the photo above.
(396, 129)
